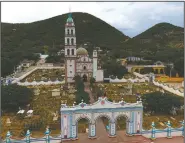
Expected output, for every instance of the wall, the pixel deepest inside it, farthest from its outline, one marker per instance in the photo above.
(36, 68)
(99, 76)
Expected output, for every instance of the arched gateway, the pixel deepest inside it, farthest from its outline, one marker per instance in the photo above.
(102, 108)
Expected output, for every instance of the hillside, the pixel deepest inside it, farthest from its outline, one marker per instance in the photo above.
(164, 34)
(19, 41)
(163, 41)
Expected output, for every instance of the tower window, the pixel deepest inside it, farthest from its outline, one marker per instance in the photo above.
(68, 51)
(67, 41)
(72, 41)
(72, 32)
(68, 31)
(84, 67)
(72, 51)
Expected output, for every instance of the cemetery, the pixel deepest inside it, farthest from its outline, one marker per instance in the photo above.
(115, 91)
(45, 75)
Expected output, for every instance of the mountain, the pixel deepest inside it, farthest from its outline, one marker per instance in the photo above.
(164, 34)
(163, 41)
(19, 41)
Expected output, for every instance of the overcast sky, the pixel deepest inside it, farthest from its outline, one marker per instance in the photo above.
(131, 18)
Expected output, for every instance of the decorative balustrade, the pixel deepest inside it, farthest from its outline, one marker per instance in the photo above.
(168, 88)
(123, 80)
(168, 132)
(154, 133)
(26, 83)
(36, 68)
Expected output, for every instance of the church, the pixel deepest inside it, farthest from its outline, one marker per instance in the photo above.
(77, 60)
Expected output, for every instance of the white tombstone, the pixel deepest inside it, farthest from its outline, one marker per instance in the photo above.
(8, 122)
(55, 92)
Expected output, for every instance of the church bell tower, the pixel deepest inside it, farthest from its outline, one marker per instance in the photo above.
(70, 50)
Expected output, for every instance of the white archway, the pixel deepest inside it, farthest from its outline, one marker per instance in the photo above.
(102, 108)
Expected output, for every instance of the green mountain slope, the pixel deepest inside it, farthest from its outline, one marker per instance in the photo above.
(164, 34)
(19, 41)
(163, 41)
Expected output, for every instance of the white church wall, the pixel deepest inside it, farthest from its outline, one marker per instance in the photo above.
(99, 75)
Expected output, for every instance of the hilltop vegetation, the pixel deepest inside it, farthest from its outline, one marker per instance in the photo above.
(163, 41)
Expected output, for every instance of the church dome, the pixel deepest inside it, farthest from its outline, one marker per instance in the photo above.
(81, 51)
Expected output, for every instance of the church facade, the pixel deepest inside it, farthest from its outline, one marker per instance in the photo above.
(77, 60)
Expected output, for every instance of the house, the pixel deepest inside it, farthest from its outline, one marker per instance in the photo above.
(133, 59)
(122, 61)
(27, 63)
(61, 52)
(158, 63)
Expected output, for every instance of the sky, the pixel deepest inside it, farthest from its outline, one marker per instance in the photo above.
(131, 18)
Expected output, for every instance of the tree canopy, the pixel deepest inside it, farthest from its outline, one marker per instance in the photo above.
(158, 102)
(14, 96)
(112, 67)
(80, 94)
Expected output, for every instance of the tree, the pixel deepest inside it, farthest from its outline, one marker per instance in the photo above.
(179, 66)
(158, 102)
(14, 96)
(92, 80)
(112, 67)
(79, 83)
(45, 50)
(148, 70)
(80, 94)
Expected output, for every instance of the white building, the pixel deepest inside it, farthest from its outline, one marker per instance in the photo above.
(134, 59)
(42, 59)
(77, 61)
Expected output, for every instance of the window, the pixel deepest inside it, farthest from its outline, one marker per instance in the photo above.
(68, 31)
(84, 67)
(71, 32)
(72, 51)
(68, 51)
(72, 41)
(70, 71)
(67, 41)
(84, 59)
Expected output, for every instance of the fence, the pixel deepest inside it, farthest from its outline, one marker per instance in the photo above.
(28, 139)
(154, 133)
(169, 89)
(123, 80)
(26, 83)
(168, 132)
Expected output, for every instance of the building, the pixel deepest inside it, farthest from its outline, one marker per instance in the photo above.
(61, 52)
(133, 59)
(122, 61)
(77, 60)
(27, 63)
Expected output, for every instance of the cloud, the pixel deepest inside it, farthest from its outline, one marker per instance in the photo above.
(135, 17)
